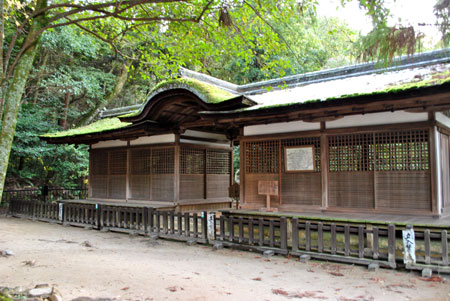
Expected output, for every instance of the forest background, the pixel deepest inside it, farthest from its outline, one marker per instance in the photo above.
(112, 53)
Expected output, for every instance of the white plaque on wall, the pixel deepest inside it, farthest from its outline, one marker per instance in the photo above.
(299, 158)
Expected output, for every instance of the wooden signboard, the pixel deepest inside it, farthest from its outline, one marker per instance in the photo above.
(268, 188)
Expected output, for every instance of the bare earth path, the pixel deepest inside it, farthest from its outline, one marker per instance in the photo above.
(134, 268)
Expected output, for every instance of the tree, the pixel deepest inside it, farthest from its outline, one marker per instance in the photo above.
(23, 23)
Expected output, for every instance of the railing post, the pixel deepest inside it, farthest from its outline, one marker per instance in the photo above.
(444, 242)
(308, 236)
(283, 233)
(347, 240)
(250, 231)
(99, 216)
(361, 241)
(333, 239)
(150, 220)
(426, 242)
(391, 244)
(376, 248)
(145, 219)
(294, 234)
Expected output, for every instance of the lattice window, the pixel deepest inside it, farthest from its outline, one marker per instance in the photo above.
(351, 152)
(163, 161)
(140, 161)
(303, 141)
(99, 162)
(262, 156)
(118, 162)
(192, 161)
(218, 162)
(402, 150)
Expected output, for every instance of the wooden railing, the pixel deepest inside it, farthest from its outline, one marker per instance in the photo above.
(341, 242)
(259, 234)
(80, 214)
(44, 194)
(344, 242)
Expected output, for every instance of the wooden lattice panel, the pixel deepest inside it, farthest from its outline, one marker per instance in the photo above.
(99, 162)
(217, 185)
(402, 150)
(192, 186)
(301, 188)
(99, 186)
(162, 187)
(140, 162)
(192, 161)
(118, 162)
(163, 160)
(403, 190)
(218, 162)
(351, 189)
(140, 187)
(262, 157)
(351, 152)
(301, 142)
(117, 187)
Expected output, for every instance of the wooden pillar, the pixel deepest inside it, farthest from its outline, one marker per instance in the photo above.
(176, 178)
(127, 176)
(434, 170)
(205, 175)
(242, 172)
(324, 154)
(90, 173)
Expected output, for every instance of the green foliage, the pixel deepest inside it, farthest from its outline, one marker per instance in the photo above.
(442, 13)
(34, 162)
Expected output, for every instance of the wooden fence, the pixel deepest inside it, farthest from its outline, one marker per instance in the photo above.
(44, 194)
(341, 242)
(248, 233)
(345, 242)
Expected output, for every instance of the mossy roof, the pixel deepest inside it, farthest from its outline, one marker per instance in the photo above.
(102, 125)
(364, 85)
(209, 93)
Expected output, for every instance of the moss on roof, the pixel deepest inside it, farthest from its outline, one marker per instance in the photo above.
(435, 80)
(99, 126)
(211, 93)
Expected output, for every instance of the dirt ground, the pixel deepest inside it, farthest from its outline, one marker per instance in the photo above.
(119, 266)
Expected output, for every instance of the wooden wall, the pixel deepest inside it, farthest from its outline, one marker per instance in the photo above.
(149, 173)
(377, 169)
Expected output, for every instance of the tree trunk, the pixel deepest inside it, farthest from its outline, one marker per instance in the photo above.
(14, 94)
(120, 82)
(63, 121)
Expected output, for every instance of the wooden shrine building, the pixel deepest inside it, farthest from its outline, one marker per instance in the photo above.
(351, 139)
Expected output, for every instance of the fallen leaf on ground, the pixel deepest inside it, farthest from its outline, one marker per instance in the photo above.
(400, 285)
(257, 279)
(432, 279)
(125, 288)
(336, 274)
(172, 289)
(279, 292)
(30, 263)
(86, 244)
